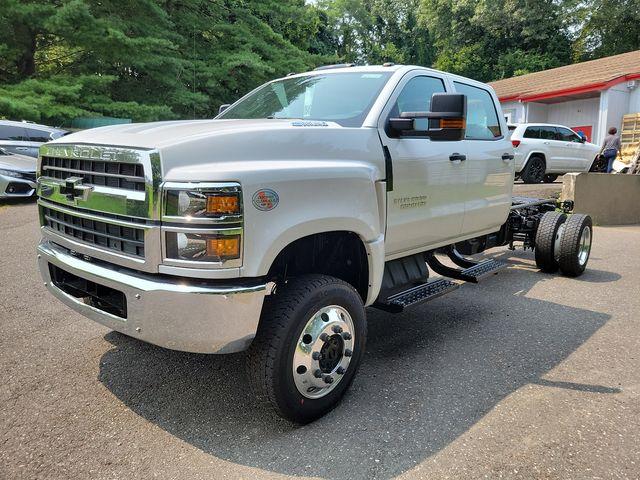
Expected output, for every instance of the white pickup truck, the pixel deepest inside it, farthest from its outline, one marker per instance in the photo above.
(273, 226)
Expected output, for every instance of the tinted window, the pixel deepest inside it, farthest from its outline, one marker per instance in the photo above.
(59, 134)
(532, 132)
(482, 117)
(36, 135)
(548, 133)
(567, 135)
(11, 133)
(416, 97)
(344, 98)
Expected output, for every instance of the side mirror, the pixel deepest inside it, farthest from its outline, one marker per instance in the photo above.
(445, 122)
(583, 137)
(223, 107)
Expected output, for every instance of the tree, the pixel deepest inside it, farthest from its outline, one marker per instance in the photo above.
(604, 27)
(491, 39)
(147, 60)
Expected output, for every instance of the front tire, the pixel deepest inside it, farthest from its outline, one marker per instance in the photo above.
(308, 347)
(575, 245)
(534, 170)
(550, 177)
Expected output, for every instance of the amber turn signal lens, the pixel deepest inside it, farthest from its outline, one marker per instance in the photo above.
(452, 123)
(223, 204)
(223, 247)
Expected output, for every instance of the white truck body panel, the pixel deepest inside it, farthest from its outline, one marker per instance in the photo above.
(332, 178)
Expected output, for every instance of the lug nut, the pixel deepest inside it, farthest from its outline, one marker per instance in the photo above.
(328, 379)
(348, 353)
(317, 373)
(340, 370)
(316, 356)
(346, 336)
(337, 329)
(324, 337)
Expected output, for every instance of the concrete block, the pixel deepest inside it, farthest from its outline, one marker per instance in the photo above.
(610, 199)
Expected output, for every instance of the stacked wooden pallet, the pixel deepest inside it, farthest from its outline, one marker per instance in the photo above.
(630, 137)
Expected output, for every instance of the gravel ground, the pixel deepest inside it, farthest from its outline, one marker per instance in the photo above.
(526, 375)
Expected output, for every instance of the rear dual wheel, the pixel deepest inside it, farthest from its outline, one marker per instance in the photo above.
(563, 243)
(308, 347)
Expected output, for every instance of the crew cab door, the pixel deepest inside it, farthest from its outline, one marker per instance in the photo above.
(426, 204)
(576, 151)
(490, 162)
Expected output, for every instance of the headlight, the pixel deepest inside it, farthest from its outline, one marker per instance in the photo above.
(12, 173)
(203, 247)
(201, 204)
(202, 224)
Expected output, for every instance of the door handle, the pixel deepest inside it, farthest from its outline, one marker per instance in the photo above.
(457, 157)
(546, 143)
(507, 157)
(22, 149)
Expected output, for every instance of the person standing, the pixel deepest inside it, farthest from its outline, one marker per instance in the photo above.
(610, 147)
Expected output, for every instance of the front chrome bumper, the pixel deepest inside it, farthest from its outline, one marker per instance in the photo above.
(176, 313)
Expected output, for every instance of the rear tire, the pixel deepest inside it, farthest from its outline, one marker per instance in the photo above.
(314, 327)
(534, 171)
(547, 238)
(575, 245)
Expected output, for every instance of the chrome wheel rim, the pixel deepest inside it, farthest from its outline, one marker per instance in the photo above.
(323, 352)
(585, 246)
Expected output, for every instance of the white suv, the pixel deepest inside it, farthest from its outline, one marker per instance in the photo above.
(544, 151)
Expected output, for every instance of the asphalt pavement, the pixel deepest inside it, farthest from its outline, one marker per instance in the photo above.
(526, 375)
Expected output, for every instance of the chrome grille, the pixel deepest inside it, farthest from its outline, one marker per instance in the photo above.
(118, 238)
(94, 172)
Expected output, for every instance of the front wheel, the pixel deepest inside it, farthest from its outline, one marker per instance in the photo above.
(308, 346)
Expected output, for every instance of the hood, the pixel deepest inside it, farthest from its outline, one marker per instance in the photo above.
(20, 163)
(159, 135)
(231, 150)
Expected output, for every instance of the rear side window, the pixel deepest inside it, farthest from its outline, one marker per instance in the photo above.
(8, 132)
(482, 117)
(36, 135)
(416, 97)
(532, 132)
(548, 133)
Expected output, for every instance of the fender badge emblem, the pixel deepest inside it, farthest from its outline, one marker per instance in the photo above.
(265, 199)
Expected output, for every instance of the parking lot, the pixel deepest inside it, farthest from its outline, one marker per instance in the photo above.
(526, 375)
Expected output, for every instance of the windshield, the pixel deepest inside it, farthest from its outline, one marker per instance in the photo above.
(344, 98)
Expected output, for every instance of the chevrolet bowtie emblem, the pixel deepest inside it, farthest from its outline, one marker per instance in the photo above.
(73, 189)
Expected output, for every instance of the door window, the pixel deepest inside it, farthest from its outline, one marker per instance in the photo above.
(8, 132)
(482, 117)
(416, 97)
(548, 133)
(567, 135)
(36, 135)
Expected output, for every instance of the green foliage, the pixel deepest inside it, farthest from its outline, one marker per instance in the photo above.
(491, 39)
(604, 27)
(162, 59)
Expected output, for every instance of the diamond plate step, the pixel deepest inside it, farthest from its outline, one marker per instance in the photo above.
(484, 269)
(422, 293)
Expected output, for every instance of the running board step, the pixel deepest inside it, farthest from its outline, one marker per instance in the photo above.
(422, 293)
(483, 269)
(471, 272)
